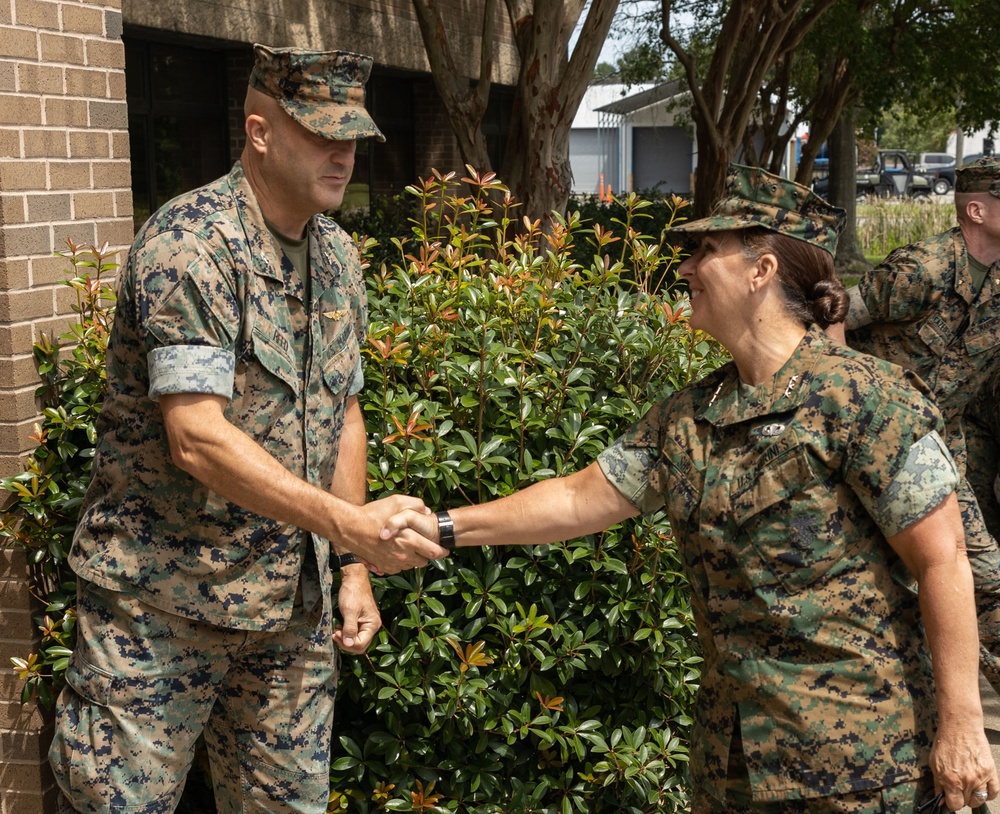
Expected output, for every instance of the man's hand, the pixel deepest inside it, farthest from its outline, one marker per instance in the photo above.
(361, 620)
(390, 555)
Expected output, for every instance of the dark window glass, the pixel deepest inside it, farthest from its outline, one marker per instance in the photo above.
(178, 129)
(385, 168)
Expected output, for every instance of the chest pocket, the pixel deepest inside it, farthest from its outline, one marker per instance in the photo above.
(679, 482)
(936, 335)
(984, 336)
(786, 517)
(271, 349)
(341, 352)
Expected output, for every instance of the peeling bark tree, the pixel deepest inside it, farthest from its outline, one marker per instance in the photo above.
(753, 37)
(551, 84)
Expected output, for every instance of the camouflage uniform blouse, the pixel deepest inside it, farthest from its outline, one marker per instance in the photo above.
(780, 501)
(208, 303)
(925, 316)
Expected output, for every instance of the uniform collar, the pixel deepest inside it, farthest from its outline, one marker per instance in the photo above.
(963, 274)
(786, 391)
(324, 266)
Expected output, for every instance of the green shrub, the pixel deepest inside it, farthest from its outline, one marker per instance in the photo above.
(557, 678)
(514, 680)
(49, 491)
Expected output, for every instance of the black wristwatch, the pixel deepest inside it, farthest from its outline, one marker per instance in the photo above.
(345, 559)
(446, 530)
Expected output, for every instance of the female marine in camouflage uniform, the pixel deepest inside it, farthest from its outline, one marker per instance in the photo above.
(794, 477)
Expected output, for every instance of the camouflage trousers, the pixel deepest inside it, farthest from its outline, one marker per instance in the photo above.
(143, 684)
(984, 557)
(902, 798)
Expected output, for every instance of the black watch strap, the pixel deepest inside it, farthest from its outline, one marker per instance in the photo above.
(346, 559)
(446, 530)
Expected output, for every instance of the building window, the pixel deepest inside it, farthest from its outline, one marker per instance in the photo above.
(382, 169)
(178, 127)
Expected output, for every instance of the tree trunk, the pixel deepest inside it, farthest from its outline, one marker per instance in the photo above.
(550, 87)
(843, 189)
(466, 104)
(752, 38)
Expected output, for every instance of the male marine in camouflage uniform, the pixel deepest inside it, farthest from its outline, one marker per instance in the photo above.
(934, 308)
(231, 454)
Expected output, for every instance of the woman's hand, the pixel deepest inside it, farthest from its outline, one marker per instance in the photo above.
(933, 550)
(962, 763)
(410, 526)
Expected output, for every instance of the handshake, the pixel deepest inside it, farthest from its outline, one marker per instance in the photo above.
(397, 533)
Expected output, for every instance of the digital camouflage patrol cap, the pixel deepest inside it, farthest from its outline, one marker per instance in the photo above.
(755, 197)
(982, 175)
(324, 91)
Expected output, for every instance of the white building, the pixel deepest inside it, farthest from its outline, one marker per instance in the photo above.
(979, 143)
(636, 139)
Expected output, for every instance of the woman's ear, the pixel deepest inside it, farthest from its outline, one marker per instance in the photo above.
(765, 269)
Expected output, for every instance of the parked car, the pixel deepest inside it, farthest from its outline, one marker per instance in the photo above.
(926, 162)
(944, 177)
(892, 175)
(968, 159)
(941, 169)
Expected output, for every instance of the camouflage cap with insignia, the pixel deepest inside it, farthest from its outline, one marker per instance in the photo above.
(982, 175)
(755, 197)
(324, 91)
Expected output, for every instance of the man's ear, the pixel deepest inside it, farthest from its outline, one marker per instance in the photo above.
(975, 211)
(257, 129)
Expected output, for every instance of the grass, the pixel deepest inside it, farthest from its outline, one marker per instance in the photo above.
(884, 225)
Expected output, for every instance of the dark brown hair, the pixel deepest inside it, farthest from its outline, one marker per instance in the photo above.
(812, 290)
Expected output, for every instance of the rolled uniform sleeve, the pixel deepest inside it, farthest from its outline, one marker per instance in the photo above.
(628, 469)
(898, 464)
(191, 369)
(928, 477)
(188, 316)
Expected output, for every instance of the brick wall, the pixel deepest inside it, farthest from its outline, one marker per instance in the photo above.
(64, 172)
